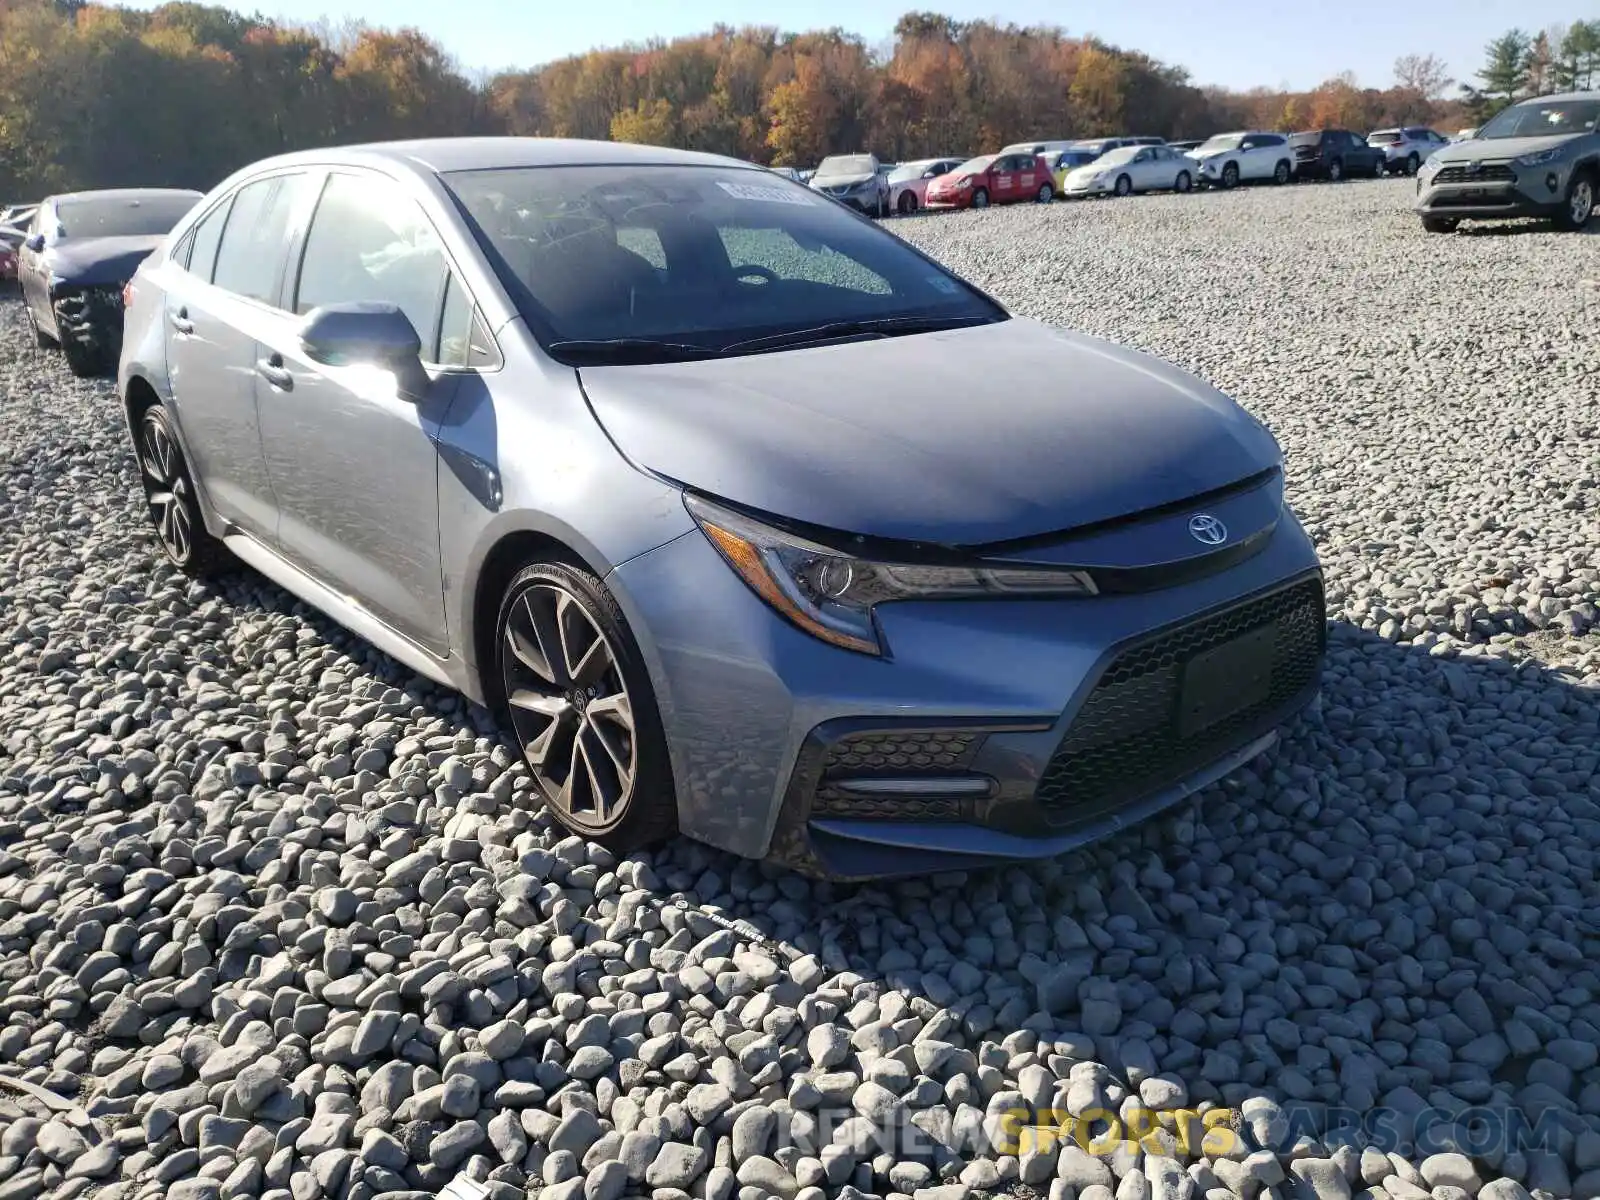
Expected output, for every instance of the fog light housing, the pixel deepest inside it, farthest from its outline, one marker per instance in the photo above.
(1550, 181)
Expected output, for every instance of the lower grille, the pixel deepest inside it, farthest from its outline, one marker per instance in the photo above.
(1127, 741)
(900, 753)
(1487, 173)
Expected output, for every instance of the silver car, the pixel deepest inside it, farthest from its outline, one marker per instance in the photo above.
(856, 180)
(1537, 158)
(749, 519)
(1406, 149)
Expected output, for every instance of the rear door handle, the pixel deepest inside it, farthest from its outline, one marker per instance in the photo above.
(273, 371)
(180, 321)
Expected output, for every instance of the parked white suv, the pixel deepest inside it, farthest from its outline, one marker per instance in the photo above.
(1230, 159)
(1406, 149)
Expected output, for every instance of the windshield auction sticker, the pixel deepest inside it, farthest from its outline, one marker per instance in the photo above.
(763, 194)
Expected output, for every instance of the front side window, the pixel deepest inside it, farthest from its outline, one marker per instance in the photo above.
(742, 256)
(253, 239)
(369, 241)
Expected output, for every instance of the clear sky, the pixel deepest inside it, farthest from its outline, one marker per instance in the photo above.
(1237, 43)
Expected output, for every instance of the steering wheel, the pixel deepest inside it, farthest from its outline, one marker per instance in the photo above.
(752, 271)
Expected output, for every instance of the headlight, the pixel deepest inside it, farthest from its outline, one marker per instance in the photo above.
(1539, 157)
(966, 182)
(831, 595)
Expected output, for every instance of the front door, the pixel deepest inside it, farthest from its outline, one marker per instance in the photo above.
(1030, 174)
(353, 464)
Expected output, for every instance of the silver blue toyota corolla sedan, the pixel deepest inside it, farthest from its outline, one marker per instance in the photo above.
(751, 520)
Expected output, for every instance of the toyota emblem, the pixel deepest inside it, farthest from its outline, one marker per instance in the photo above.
(1203, 527)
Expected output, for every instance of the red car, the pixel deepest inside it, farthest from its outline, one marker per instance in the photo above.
(993, 179)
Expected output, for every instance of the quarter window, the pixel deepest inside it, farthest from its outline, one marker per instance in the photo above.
(370, 242)
(252, 243)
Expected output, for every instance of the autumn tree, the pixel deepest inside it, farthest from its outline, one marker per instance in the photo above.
(649, 123)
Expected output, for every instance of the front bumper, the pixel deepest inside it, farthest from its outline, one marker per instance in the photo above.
(862, 202)
(1042, 725)
(1494, 190)
(1074, 189)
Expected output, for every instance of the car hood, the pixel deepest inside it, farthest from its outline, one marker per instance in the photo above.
(1500, 148)
(103, 260)
(966, 437)
(841, 180)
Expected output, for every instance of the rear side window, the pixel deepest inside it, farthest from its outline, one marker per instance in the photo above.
(204, 239)
(252, 245)
(369, 241)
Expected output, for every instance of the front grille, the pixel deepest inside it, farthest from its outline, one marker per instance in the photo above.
(1305, 152)
(937, 752)
(1125, 742)
(1487, 173)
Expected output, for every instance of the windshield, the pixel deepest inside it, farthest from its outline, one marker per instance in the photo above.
(700, 257)
(143, 216)
(1387, 137)
(848, 164)
(1310, 138)
(909, 171)
(1550, 119)
(1223, 141)
(975, 166)
(1115, 158)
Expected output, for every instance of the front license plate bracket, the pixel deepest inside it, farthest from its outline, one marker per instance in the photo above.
(1226, 679)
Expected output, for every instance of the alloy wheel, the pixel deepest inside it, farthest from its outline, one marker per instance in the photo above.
(166, 488)
(1580, 205)
(569, 706)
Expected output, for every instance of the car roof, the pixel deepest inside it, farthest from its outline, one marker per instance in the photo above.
(437, 155)
(127, 195)
(1560, 96)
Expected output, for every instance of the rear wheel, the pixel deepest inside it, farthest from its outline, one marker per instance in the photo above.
(1230, 175)
(907, 203)
(1047, 193)
(1183, 183)
(1124, 185)
(578, 698)
(980, 198)
(1440, 224)
(1412, 163)
(1579, 205)
(170, 494)
(1281, 173)
(1336, 170)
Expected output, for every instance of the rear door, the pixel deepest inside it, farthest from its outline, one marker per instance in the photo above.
(1267, 149)
(223, 289)
(1031, 175)
(354, 465)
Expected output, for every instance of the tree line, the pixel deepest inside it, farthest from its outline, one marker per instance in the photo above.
(96, 95)
(1563, 58)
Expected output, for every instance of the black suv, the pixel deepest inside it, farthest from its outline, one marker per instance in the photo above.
(1333, 154)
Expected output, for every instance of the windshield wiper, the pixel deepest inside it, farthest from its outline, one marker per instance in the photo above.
(866, 327)
(598, 352)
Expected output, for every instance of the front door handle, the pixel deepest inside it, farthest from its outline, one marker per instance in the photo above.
(274, 372)
(180, 321)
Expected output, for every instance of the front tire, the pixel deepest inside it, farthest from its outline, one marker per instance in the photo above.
(1047, 193)
(1230, 175)
(908, 203)
(576, 694)
(1336, 170)
(1440, 224)
(1124, 186)
(172, 498)
(1183, 183)
(980, 198)
(1413, 163)
(1578, 207)
(1281, 173)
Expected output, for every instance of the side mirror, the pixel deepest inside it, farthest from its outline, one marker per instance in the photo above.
(364, 333)
(35, 242)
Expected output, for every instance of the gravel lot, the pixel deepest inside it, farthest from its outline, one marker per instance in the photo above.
(278, 920)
